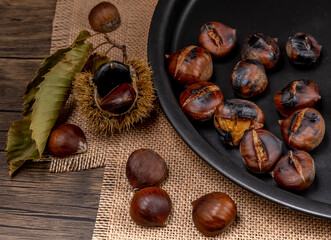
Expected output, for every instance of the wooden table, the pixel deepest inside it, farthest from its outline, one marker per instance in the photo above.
(36, 204)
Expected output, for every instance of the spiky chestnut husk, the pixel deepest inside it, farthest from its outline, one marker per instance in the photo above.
(104, 122)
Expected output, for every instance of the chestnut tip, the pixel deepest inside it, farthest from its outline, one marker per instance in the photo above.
(280, 122)
(167, 56)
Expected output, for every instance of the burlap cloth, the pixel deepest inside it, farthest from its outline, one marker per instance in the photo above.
(189, 176)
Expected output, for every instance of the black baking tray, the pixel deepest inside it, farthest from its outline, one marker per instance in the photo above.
(177, 24)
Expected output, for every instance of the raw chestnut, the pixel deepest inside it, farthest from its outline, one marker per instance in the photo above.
(248, 78)
(151, 207)
(304, 129)
(145, 168)
(213, 213)
(115, 92)
(295, 171)
(104, 17)
(200, 100)
(296, 95)
(234, 117)
(190, 65)
(303, 49)
(261, 48)
(66, 140)
(217, 38)
(260, 150)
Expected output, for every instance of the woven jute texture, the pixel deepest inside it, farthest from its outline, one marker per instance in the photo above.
(189, 177)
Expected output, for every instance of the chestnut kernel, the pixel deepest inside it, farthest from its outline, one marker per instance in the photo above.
(190, 64)
(295, 170)
(303, 49)
(260, 150)
(151, 207)
(104, 17)
(248, 78)
(296, 95)
(217, 38)
(213, 213)
(304, 129)
(145, 168)
(66, 140)
(234, 117)
(200, 100)
(261, 48)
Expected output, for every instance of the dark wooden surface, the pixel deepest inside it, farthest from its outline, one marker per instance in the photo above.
(36, 204)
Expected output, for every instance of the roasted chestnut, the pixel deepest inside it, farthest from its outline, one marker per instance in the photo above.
(295, 170)
(296, 95)
(217, 38)
(260, 150)
(116, 92)
(213, 213)
(261, 48)
(145, 168)
(104, 17)
(248, 78)
(151, 207)
(303, 49)
(234, 117)
(66, 140)
(304, 129)
(200, 100)
(191, 64)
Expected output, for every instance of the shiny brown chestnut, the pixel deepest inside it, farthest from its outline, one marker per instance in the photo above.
(217, 38)
(304, 129)
(295, 170)
(104, 17)
(234, 117)
(296, 95)
(145, 168)
(66, 140)
(303, 49)
(151, 207)
(190, 65)
(261, 48)
(213, 213)
(200, 100)
(260, 150)
(248, 78)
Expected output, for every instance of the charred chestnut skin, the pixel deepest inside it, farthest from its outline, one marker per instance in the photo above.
(260, 150)
(213, 213)
(295, 170)
(261, 48)
(217, 38)
(248, 78)
(234, 117)
(303, 49)
(151, 207)
(304, 129)
(296, 95)
(190, 65)
(200, 100)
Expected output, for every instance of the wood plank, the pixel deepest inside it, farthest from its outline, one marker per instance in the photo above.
(25, 28)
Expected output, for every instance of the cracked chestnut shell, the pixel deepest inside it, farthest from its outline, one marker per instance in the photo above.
(295, 170)
(234, 117)
(200, 100)
(213, 213)
(296, 95)
(217, 38)
(261, 48)
(303, 49)
(145, 168)
(248, 78)
(260, 150)
(304, 129)
(190, 65)
(151, 207)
